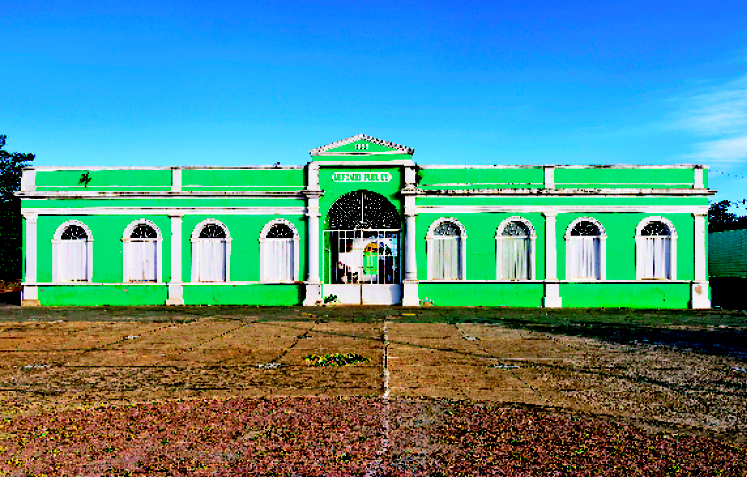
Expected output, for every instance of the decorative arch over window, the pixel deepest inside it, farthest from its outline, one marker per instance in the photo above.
(72, 253)
(142, 252)
(446, 249)
(279, 252)
(211, 252)
(515, 240)
(585, 250)
(656, 249)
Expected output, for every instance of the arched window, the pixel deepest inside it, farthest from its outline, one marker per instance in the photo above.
(142, 252)
(585, 250)
(278, 250)
(211, 252)
(72, 248)
(514, 249)
(656, 249)
(446, 250)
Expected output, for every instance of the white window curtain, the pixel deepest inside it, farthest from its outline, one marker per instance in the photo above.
(211, 260)
(73, 260)
(142, 256)
(657, 256)
(584, 255)
(278, 256)
(446, 257)
(515, 258)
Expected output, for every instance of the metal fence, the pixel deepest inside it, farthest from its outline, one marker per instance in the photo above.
(362, 256)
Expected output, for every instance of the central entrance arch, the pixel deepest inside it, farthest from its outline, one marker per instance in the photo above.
(361, 250)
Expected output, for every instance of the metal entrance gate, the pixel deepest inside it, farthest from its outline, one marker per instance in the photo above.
(362, 267)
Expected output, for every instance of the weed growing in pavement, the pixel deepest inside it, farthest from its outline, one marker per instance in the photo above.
(337, 359)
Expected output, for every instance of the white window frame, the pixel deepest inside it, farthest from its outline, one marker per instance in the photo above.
(195, 250)
(499, 239)
(639, 240)
(263, 264)
(429, 238)
(602, 250)
(57, 260)
(127, 240)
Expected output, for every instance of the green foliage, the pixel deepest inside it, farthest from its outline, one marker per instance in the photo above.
(11, 166)
(337, 359)
(330, 299)
(720, 219)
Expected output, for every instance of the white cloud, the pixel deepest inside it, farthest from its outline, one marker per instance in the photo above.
(719, 118)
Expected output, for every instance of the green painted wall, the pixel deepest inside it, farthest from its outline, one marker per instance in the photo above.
(104, 180)
(243, 179)
(609, 177)
(483, 294)
(620, 229)
(245, 231)
(481, 178)
(100, 295)
(625, 295)
(267, 295)
(107, 232)
(481, 229)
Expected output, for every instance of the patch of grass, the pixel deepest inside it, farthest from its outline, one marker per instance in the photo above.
(336, 359)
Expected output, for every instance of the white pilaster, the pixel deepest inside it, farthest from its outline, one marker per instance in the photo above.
(549, 177)
(176, 179)
(699, 179)
(30, 290)
(176, 288)
(699, 292)
(410, 295)
(28, 180)
(552, 286)
(313, 282)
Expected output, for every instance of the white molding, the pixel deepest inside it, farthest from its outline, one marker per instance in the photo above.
(559, 190)
(125, 249)
(495, 282)
(165, 192)
(263, 258)
(196, 237)
(563, 166)
(561, 209)
(55, 250)
(167, 210)
(499, 238)
(153, 168)
(602, 248)
(399, 162)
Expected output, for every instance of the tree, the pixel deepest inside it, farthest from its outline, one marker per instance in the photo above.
(11, 166)
(720, 219)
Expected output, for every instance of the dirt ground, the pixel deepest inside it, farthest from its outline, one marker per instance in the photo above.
(662, 369)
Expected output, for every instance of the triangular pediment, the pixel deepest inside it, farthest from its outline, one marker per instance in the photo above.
(362, 145)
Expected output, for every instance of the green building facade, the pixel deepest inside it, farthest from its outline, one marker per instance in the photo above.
(363, 223)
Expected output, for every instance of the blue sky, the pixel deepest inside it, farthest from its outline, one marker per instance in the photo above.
(233, 83)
